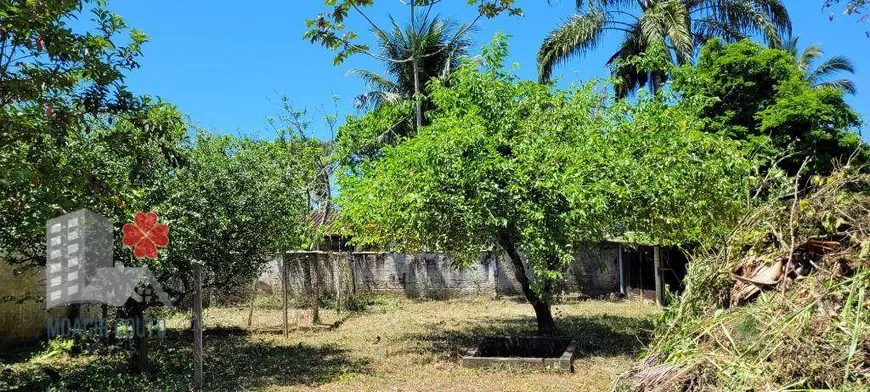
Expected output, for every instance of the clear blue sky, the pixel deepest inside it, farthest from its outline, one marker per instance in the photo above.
(225, 63)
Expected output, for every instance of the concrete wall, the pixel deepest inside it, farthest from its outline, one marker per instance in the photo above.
(22, 307)
(593, 273)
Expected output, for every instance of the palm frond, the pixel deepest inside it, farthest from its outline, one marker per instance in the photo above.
(847, 85)
(575, 36)
(437, 43)
(832, 66)
(373, 99)
(668, 22)
(790, 45)
(768, 18)
(809, 55)
(374, 80)
(709, 27)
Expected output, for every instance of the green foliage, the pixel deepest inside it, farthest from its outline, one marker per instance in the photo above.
(437, 42)
(236, 203)
(809, 331)
(658, 35)
(516, 163)
(57, 347)
(71, 135)
(329, 29)
(107, 167)
(761, 97)
(362, 138)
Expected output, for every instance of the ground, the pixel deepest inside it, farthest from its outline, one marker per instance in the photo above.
(393, 344)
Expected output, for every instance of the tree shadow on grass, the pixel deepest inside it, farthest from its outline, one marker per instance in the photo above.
(233, 361)
(604, 336)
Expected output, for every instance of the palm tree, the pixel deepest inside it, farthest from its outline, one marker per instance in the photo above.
(678, 26)
(436, 44)
(821, 75)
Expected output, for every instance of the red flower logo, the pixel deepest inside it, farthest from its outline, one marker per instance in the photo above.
(144, 235)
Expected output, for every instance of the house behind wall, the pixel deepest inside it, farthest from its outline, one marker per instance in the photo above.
(639, 271)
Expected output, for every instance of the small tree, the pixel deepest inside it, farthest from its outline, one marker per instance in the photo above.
(539, 172)
(316, 167)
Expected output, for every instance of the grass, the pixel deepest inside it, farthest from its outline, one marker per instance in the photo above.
(394, 344)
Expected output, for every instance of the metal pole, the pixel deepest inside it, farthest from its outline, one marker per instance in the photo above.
(197, 327)
(621, 272)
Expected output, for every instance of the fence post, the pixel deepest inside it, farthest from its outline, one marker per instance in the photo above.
(284, 293)
(197, 327)
(337, 275)
(253, 300)
(315, 291)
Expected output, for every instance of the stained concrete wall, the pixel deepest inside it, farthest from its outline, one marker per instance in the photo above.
(22, 307)
(593, 273)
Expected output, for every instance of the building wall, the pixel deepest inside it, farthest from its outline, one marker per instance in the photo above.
(593, 273)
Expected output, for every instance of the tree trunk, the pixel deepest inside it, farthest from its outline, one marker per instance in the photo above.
(135, 313)
(546, 324)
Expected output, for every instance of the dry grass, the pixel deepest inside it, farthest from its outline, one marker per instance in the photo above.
(395, 344)
(405, 345)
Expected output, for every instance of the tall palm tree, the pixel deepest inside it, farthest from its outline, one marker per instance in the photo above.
(436, 44)
(678, 26)
(823, 74)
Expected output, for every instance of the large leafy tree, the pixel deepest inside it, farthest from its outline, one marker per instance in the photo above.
(537, 172)
(763, 98)
(826, 73)
(672, 28)
(71, 135)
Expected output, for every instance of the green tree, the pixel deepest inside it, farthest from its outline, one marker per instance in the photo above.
(762, 97)
(537, 173)
(362, 138)
(328, 30)
(234, 205)
(821, 75)
(675, 28)
(71, 135)
(439, 47)
(434, 39)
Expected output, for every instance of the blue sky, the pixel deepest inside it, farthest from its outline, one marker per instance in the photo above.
(226, 63)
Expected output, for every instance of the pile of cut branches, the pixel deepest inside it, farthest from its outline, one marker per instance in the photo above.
(782, 304)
